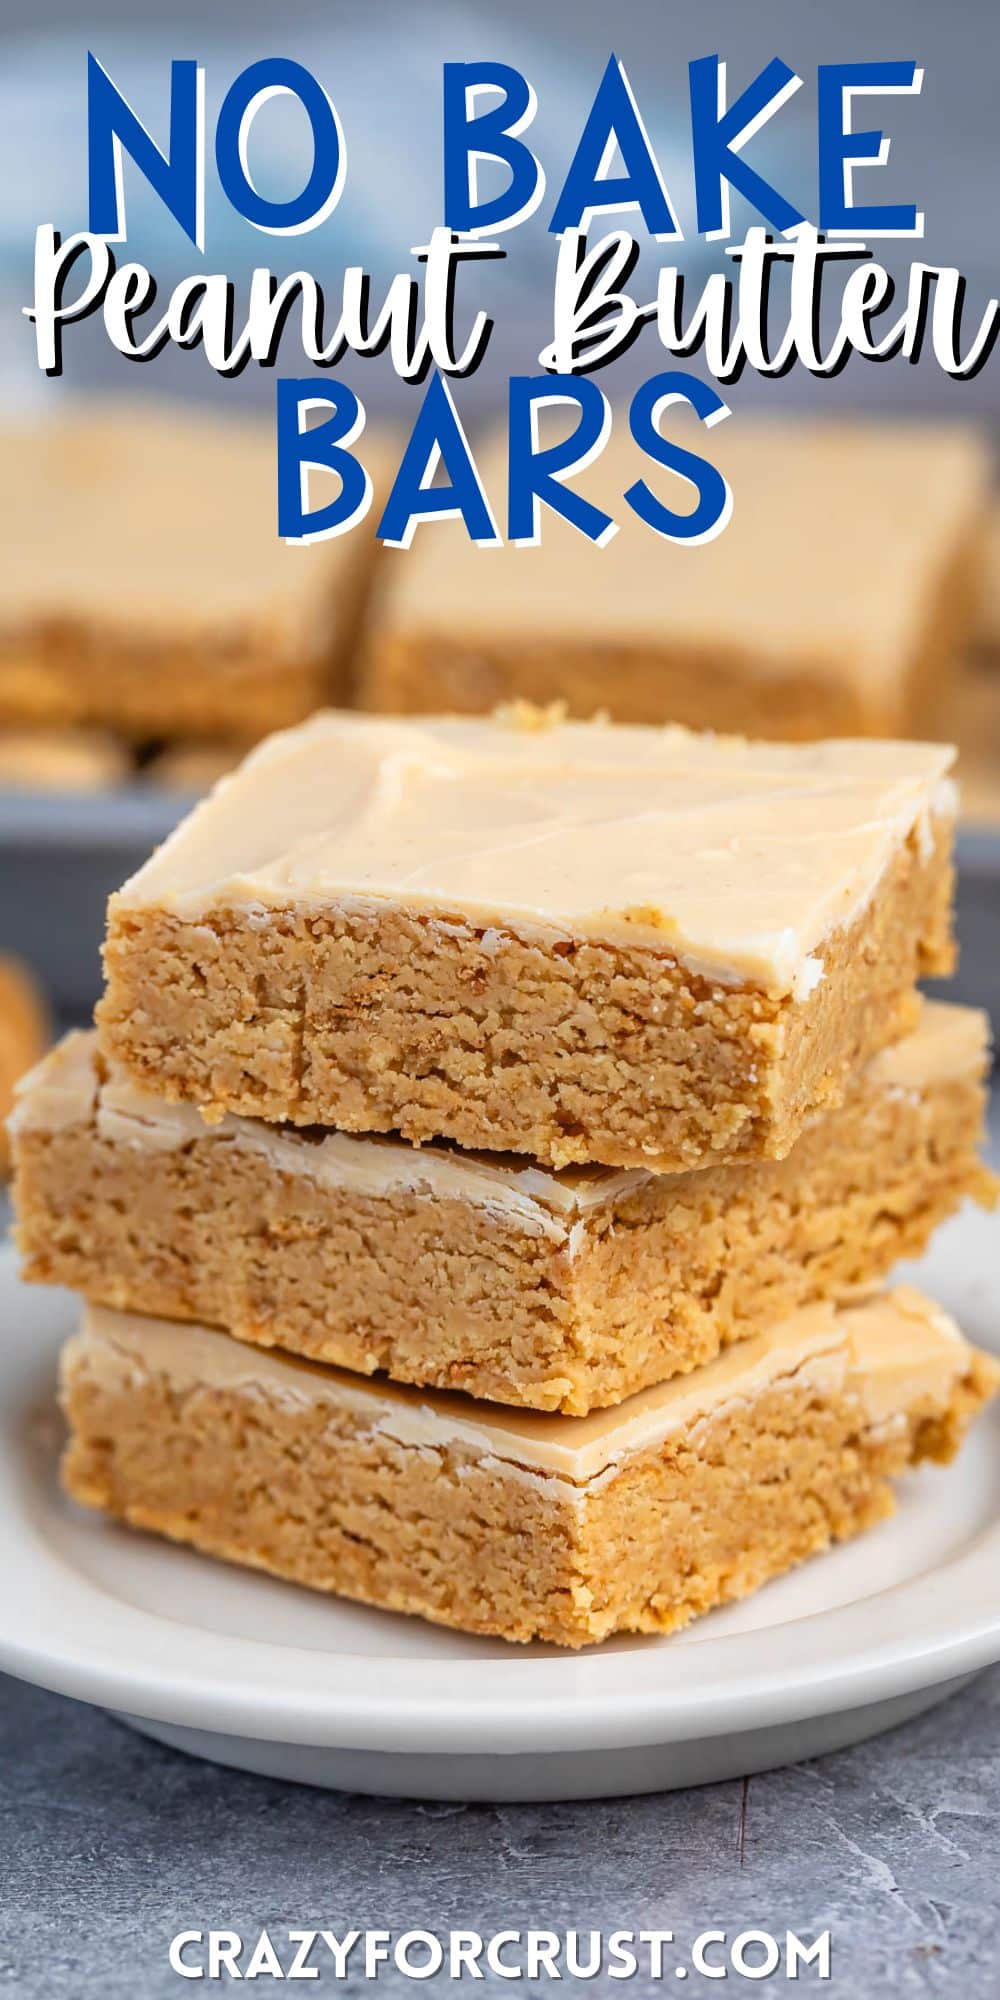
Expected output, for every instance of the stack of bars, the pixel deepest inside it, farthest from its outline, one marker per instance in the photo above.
(493, 1144)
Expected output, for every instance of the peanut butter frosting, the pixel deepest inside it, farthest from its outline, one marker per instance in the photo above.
(888, 506)
(70, 1087)
(739, 859)
(890, 1355)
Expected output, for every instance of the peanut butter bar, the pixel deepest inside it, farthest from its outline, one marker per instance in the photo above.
(747, 633)
(143, 587)
(835, 603)
(555, 1290)
(561, 1528)
(641, 947)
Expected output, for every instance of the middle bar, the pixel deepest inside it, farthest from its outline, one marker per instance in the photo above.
(563, 1290)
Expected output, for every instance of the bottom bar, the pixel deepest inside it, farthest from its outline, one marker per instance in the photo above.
(509, 1522)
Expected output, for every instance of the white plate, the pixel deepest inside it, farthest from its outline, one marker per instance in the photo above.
(258, 1674)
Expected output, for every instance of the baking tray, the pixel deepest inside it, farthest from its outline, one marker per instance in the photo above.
(62, 854)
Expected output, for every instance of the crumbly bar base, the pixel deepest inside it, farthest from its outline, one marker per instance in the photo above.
(306, 1494)
(148, 687)
(568, 1052)
(705, 687)
(447, 1294)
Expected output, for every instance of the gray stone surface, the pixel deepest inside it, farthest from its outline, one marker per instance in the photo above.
(110, 1844)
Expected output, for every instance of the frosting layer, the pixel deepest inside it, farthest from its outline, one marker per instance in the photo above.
(67, 1088)
(738, 858)
(888, 1353)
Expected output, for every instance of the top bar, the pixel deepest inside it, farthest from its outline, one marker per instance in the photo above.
(632, 945)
